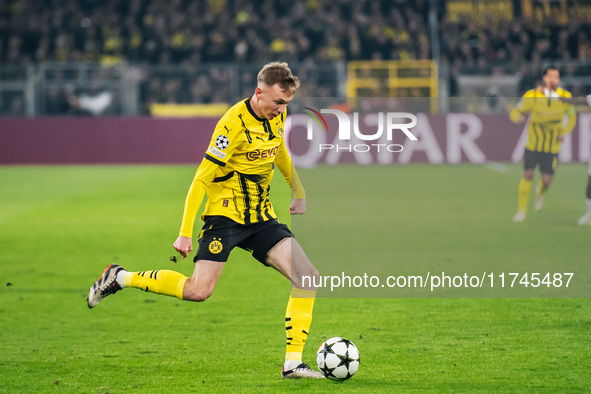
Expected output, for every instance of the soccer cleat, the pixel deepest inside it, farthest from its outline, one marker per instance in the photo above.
(104, 286)
(539, 201)
(585, 219)
(519, 217)
(301, 371)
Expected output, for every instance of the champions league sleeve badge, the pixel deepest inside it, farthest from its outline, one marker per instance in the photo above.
(222, 142)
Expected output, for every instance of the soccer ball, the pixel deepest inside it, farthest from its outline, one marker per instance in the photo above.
(337, 359)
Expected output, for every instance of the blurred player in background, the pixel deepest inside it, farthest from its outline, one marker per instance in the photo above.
(546, 132)
(586, 218)
(235, 173)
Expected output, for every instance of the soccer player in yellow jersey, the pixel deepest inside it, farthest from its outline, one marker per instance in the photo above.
(586, 218)
(546, 132)
(235, 173)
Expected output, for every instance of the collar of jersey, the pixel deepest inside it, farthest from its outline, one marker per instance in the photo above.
(249, 107)
(540, 93)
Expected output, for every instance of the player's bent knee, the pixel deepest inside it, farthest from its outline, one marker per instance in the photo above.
(195, 293)
(307, 279)
(196, 296)
(314, 272)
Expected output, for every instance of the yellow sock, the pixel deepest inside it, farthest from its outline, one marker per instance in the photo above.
(523, 194)
(298, 318)
(159, 281)
(541, 188)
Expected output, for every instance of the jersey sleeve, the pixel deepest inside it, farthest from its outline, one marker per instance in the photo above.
(203, 177)
(570, 112)
(283, 162)
(224, 142)
(572, 119)
(524, 105)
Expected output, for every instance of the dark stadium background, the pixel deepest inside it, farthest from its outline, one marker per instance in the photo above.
(76, 61)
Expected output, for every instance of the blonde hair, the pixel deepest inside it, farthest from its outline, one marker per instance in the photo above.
(279, 73)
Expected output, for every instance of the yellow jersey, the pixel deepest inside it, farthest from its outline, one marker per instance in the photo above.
(237, 169)
(547, 118)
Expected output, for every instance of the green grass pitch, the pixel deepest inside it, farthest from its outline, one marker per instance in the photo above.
(61, 226)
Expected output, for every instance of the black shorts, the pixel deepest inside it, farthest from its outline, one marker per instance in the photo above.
(547, 161)
(220, 235)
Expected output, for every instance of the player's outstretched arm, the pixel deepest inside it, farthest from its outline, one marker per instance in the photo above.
(517, 116)
(283, 162)
(183, 245)
(197, 191)
(518, 113)
(572, 119)
(298, 206)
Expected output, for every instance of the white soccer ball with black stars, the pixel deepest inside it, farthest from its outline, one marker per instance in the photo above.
(337, 359)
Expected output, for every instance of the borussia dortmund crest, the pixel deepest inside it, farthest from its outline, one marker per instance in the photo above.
(216, 246)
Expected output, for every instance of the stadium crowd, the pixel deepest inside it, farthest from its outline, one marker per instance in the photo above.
(178, 31)
(241, 31)
(159, 33)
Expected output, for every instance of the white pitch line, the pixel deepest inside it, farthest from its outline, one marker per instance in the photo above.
(497, 167)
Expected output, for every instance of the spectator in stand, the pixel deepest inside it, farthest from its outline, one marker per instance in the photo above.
(162, 31)
(176, 31)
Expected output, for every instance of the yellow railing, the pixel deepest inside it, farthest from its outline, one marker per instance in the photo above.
(393, 78)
